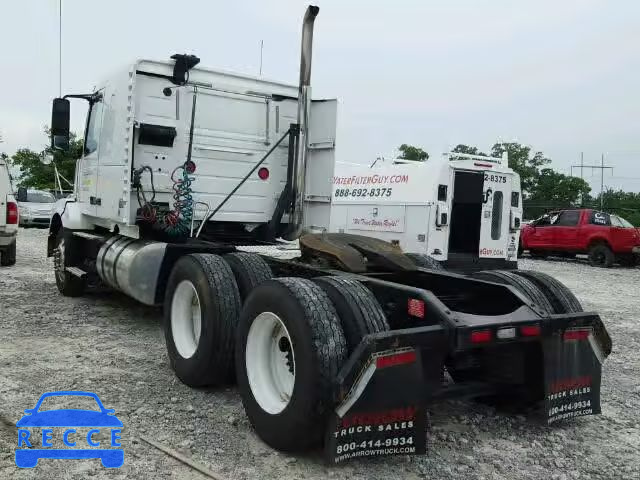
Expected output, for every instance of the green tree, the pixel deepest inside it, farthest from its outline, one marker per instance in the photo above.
(409, 152)
(558, 189)
(35, 174)
(461, 148)
(625, 204)
(522, 162)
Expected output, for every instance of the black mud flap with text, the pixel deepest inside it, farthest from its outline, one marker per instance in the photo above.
(383, 412)
(573, 367)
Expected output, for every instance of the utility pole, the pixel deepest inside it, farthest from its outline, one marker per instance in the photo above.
(600, 167)
(602, 180)
(261, 48)
(60, 47)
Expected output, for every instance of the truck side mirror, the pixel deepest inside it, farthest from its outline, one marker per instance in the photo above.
(22, 194)
(60, 113)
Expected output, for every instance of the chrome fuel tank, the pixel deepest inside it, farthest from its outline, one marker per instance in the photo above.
(131, 266)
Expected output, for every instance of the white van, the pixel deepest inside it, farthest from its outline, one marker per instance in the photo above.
(8, 218)
(462, 210)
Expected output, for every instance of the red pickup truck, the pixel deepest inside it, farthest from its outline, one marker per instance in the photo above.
(605, 237)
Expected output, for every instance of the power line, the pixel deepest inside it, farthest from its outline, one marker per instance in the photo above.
(600, 167)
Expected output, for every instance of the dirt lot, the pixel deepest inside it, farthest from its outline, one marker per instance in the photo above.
(110, 345)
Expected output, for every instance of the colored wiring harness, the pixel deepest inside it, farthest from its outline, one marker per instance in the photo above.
(176, 222)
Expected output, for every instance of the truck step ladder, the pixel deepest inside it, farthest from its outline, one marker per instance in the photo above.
(76, 272)
(88, 236)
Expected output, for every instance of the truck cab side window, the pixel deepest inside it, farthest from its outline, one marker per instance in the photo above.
(600, 218)
(543, 221)
(568, 218)
(496, 216)
(615, 221)
(94, 126)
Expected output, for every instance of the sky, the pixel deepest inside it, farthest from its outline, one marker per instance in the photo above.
(561, 76)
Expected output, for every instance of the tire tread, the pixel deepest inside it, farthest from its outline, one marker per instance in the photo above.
(366, 315)
(522, 284)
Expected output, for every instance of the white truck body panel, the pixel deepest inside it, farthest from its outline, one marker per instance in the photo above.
(238, 118)
(400, 203)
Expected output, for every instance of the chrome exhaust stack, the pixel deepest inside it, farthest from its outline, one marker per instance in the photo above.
(296, 218)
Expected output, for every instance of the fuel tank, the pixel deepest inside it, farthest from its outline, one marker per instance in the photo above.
(131, 266)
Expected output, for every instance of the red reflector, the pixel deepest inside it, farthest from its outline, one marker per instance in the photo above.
(576, 334)
(189, 166)
(396, 359)
(12, 213)
(485, 165)
(530, 331)
(481, 336)
(263, 173)
(415, 308)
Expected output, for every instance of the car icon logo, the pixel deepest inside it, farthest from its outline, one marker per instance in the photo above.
(73, 422)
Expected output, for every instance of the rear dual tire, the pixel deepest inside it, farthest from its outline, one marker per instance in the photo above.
(289, 349)
(307, 328)
(202, 305)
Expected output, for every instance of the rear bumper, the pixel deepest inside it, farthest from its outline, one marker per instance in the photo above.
(30, 221)
(7, 237)
(384, 388)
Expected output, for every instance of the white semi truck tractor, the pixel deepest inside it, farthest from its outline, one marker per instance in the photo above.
(457, 211)
(344, 346)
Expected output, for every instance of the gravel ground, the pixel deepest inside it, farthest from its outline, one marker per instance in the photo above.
(110, 345)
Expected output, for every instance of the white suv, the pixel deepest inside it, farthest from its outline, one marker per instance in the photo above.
(8, 218)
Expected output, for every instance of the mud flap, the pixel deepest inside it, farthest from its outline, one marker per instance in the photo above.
(573, 367)
(382, 411)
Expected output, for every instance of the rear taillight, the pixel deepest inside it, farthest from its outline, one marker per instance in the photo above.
(576, 334)
(415, 308)
(480, 336)
(530, 331)
(394, 359)
(12, 213)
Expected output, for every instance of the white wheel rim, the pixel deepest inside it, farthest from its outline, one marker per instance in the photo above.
(270, 370)
(186, 319)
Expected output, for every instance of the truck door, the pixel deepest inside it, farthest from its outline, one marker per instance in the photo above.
(565, 230)
(88, 176)
(494, 222)
(464, 233)
(541, 233)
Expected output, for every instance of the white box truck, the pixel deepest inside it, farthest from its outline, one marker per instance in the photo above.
(464, 211)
